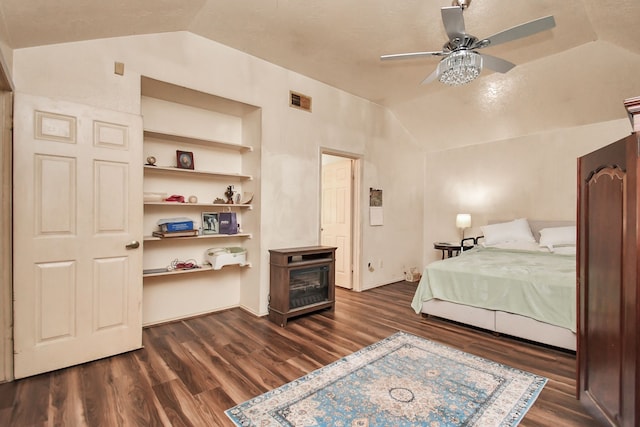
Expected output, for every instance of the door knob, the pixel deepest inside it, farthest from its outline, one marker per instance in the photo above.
(133, 245)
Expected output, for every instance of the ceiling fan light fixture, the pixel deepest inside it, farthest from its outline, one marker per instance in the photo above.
(460, 68)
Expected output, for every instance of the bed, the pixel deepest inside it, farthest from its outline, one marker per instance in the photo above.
(521, 281)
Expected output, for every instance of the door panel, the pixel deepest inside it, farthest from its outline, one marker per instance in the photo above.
(55, 281)
(55, 195)
(77, 288)
(336, 217)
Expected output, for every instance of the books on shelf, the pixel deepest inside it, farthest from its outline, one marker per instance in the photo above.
(184, 233)
(175, 224)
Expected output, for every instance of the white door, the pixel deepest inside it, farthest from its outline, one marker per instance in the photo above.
(336, 216)
(77, 220)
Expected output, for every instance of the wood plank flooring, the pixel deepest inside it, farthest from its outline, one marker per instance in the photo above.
(190, 371)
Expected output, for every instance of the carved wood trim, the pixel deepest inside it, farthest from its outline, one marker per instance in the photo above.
(633, 109)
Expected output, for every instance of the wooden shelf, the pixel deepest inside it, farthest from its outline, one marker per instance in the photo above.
(193, 173)
(196, 141)
(204, 236)
(213, 205)
(202, 269)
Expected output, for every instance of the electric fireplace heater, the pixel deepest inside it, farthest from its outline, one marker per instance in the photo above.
(302, 281)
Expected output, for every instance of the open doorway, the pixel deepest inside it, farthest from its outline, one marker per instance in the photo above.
(337, 219)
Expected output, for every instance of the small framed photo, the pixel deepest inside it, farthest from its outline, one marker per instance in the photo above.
(210, 224)
(184, 159)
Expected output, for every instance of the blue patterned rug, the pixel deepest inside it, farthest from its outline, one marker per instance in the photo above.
(403, 380)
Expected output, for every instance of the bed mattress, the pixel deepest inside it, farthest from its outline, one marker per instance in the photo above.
(535, 284)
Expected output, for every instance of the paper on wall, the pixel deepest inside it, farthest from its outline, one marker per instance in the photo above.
(375, 215)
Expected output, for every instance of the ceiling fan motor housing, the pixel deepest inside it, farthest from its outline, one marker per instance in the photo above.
(461, 3)
(467, 41)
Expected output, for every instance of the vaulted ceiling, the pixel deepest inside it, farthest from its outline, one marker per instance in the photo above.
(584, 67)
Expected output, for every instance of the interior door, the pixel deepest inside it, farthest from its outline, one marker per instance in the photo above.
(336, 215)
(77, 220)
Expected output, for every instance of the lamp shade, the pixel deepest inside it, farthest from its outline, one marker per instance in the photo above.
(463, 220)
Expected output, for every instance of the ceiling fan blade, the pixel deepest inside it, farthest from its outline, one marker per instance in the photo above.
(519, 31)
(431, 77)
(411, 55)
(496, 64)
(453, 21)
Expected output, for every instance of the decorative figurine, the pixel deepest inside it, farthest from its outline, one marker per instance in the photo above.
(229, 193)
(151, 161)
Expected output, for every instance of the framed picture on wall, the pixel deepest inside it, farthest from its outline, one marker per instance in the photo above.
(210, 223)
(184, 159)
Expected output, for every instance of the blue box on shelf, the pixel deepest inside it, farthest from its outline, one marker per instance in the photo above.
(175, 224)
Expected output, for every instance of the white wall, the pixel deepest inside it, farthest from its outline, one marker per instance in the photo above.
(291, 139)
(393, 169)
(532, 176)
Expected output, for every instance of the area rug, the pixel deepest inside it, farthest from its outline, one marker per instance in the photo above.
(403, 380)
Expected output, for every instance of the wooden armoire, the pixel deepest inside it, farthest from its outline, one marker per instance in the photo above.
(609, 279)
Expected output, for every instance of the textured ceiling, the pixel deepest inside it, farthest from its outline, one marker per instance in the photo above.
(335, 41)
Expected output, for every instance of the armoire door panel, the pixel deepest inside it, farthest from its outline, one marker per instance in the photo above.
(605, 201)
(608, 282)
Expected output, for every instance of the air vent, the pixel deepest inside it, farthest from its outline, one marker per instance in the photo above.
(298, 100)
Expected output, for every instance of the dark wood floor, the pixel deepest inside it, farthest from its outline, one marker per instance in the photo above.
(190, 371)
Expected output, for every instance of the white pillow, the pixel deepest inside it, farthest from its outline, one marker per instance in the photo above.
(517, 230)
(556, 236)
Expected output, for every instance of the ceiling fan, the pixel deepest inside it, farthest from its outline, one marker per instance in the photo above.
(462, 63)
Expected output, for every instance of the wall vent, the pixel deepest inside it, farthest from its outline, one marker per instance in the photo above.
(298, 100)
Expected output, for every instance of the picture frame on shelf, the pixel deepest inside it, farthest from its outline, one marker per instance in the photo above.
(210, 223)
(184, 159)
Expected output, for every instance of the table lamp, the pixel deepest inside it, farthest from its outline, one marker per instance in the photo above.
(463, 221)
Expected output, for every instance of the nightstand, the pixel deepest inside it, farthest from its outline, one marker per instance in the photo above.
(450, 249)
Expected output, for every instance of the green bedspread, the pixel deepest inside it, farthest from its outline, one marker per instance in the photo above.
(538, 285)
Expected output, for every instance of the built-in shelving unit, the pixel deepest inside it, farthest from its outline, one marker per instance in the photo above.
(215, 132)
(159, 177)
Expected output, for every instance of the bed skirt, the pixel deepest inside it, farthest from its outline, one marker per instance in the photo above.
(503, 323)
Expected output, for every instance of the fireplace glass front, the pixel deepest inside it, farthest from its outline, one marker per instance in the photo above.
(308, 286)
